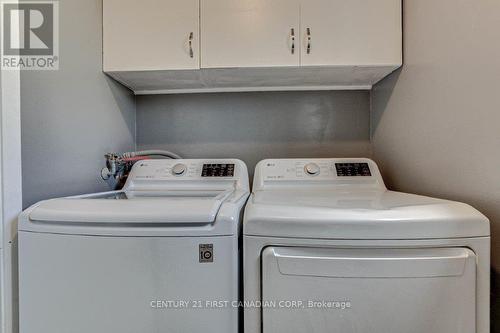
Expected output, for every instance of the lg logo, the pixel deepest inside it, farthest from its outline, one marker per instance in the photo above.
(29, 34)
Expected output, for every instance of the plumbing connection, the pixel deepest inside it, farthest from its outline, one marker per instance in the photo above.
(118, 166)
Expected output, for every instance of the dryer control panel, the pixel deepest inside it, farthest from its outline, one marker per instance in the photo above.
(317, 172)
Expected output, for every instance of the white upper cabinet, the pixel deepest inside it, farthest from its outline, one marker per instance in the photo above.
(180, 46)
(150, 35)
(351, 32)
(249, 33)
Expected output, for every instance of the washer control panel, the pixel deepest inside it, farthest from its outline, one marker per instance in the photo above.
(188, 169)
(184, 174)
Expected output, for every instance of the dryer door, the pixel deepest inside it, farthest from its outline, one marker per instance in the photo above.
(368, 290)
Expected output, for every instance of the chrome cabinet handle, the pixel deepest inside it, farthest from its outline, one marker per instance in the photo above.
(292, 37)
(308, 40)
(191, 53)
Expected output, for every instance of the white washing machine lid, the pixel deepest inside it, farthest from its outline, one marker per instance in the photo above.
(204, 199)
(178, 207)
(359, 214)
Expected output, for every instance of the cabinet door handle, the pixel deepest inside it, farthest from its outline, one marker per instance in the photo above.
(191, 53)
(308, 40)
(292, 38)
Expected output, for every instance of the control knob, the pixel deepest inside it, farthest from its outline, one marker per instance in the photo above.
(179, 169)
(312, 169)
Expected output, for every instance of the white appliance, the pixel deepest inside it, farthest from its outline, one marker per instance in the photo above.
(151, 258)
(327, 248)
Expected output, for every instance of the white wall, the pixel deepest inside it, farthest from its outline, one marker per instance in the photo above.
(436, 123)
(71, 117)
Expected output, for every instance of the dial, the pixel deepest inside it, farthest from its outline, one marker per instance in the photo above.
(179, 169)
(312, 169)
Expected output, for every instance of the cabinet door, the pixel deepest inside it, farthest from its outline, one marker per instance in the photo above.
(150, 34)
(351, 32)
(249, 33)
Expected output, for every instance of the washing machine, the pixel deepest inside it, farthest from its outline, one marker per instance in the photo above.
(159, 256)
(327, 248)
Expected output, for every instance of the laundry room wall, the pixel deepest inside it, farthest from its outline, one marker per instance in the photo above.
(436, 123)
(254, 126)
(72, 116)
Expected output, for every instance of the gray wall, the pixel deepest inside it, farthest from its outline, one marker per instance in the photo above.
(436, 123)
(254, 126)
(71, 117)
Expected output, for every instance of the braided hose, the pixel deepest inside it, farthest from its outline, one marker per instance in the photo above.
(164, 153)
